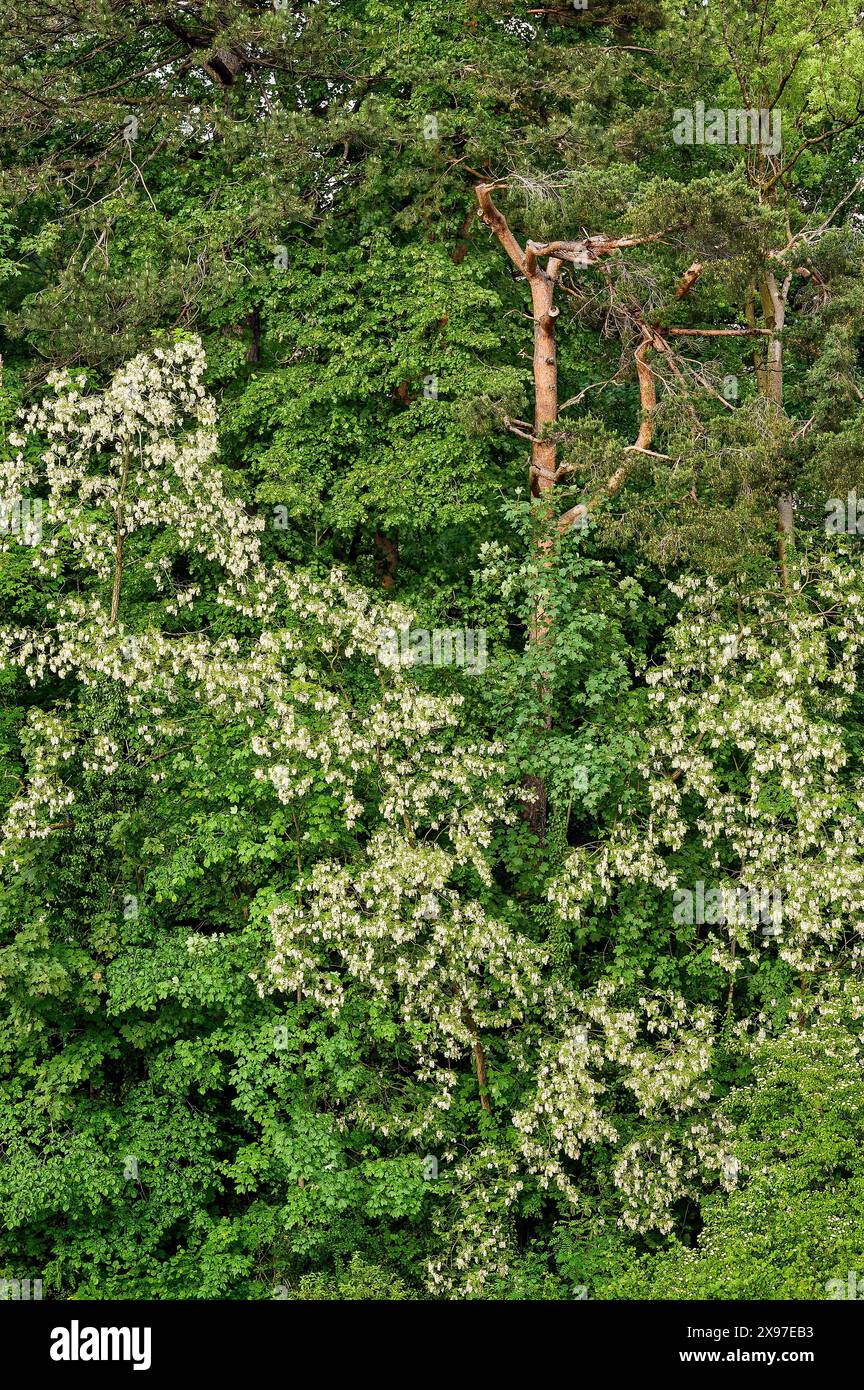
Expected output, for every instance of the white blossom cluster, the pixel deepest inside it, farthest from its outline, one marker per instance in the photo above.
(749, 733)
(402, 920)
(591, 1048)
(661, 1053)
(141, 456)
(479, 1244)
(42, 804)
(137, 455)
(396, 925)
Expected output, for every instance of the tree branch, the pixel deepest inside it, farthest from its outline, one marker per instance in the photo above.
(688, 280)
(715, 332)
(497, 223)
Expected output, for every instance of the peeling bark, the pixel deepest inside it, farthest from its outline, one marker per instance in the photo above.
(773, 297)
(543, 470)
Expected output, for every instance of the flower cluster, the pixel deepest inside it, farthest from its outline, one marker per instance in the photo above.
(403, 917)
(661, 1053)
(748, 731)
(134, 457)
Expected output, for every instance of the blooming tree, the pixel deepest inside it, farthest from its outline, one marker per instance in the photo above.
(747, 729)
(406, 919)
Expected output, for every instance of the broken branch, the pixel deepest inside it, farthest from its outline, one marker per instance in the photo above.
(497, 223)
(689, 279)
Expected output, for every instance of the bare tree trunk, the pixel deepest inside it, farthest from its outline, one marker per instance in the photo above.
(773, 297)
(479, 1057)
(543, 455)
(543, 467)
(253, 323)
(386, 559)
(785, 534)
(758, 361)
(543, 450)
(774, 313)
(542, 282)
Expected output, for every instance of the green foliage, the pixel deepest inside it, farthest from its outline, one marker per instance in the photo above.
(796, 1221)
(269, 905)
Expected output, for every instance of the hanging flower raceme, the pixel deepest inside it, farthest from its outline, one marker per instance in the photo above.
(134, 457)
(745, 757)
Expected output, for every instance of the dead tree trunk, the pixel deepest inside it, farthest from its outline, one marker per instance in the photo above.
(543, 471)
(773, 297)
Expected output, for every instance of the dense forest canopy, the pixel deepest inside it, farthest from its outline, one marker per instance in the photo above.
(432, 826)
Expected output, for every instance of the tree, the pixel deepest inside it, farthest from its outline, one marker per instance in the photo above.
(296, 1000)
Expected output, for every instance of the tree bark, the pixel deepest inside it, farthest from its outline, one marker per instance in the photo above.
(479, 1057)
(543, 473)
(386, 559)
(773, 298)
